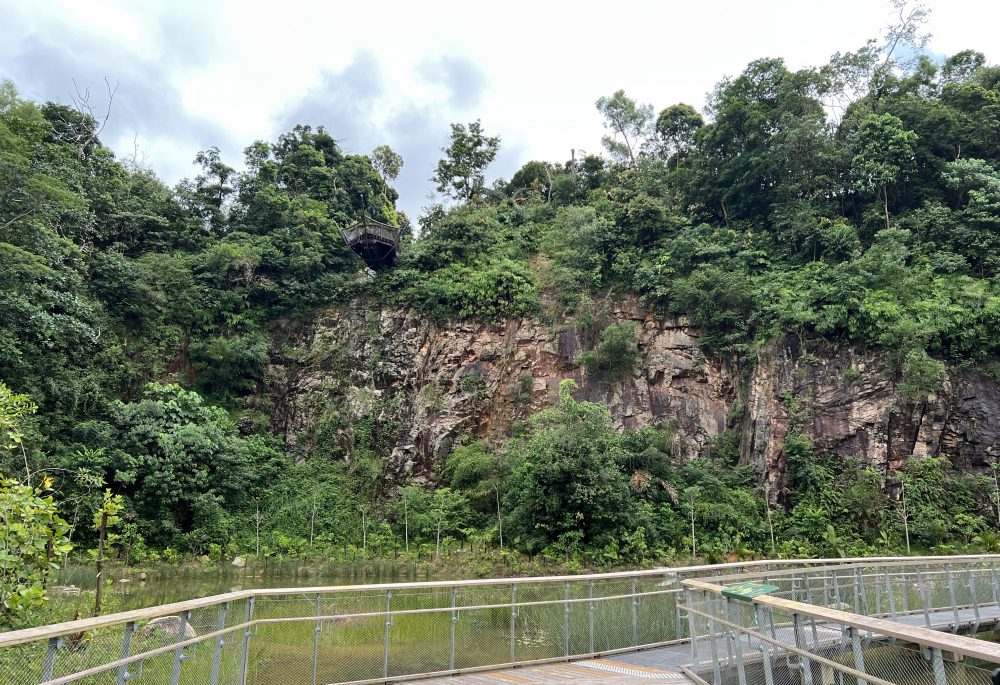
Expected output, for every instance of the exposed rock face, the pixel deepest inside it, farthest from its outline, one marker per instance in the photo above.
(417, 387)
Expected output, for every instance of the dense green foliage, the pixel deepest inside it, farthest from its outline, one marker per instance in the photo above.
(857, 203)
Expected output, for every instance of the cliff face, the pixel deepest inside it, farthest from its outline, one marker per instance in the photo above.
(420, 386)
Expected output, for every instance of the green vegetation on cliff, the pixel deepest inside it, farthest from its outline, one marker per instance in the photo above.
(857, 202)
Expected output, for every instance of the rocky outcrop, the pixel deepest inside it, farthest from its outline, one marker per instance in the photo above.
(368, 375)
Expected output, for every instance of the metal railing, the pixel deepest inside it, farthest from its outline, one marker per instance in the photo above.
(865, 622)
(369, 633)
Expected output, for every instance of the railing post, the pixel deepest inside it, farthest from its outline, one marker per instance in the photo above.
(635, 612)
(741, 672)
(805, 665)
(716, 673)
(219, 643)
(385, 642)
(691, 626)
(937, 661)
(951, 595)
(924, 600)
(975, 598)
(890, 593)
(765, 648)
(566, 616)
(315, 655)
(859, 655)
(49, 665)
(246, 642)
(126, 651)
(995, 583)
(729, 632)
(513, 621)
(454, 622)
(878, 597)
(175, 678)
(905, 585)
(590, 615)
(864, 592)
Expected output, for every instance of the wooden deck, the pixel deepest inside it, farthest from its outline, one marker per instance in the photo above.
(665, 663)
(589, 672)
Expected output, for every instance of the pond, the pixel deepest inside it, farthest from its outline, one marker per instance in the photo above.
(72, 590)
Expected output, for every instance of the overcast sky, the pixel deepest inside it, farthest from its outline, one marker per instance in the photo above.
(192, 74)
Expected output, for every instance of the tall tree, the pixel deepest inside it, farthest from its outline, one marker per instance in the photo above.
(388, 163)
(461, 174)
(628, 119)
(676, 126)
(883, 152)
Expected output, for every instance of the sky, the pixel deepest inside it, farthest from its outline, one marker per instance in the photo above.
(192, 74)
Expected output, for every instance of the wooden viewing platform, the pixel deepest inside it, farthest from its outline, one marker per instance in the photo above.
(375, 242)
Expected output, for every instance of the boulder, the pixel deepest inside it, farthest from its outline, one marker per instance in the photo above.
(239, 562)
(167, 626)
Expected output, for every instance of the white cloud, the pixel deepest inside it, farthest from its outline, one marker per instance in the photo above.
(530, 70)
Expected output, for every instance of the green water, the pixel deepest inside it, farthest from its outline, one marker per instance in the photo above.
(73, 588)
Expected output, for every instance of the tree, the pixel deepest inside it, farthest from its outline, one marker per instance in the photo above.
(451, 513)
(32, 534)
(676, 126)
(567, 481)
(461, 174)
(883, 151)
(627, 119)
(388, 164)
(106, 517)
(182, 466)
(14, 409)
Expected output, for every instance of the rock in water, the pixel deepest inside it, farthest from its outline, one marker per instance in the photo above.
(239, 562)
(168, 626)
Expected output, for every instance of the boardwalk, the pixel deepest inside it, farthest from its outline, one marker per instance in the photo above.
(625, 628)
(664, 663)
(612, 671)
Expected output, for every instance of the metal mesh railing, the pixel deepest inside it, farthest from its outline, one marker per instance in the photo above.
(378, 633)
(816, 628)
(751, 644)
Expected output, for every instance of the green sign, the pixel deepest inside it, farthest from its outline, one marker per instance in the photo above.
(746, 591)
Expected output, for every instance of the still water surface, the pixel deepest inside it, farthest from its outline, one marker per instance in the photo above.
(73, 588)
